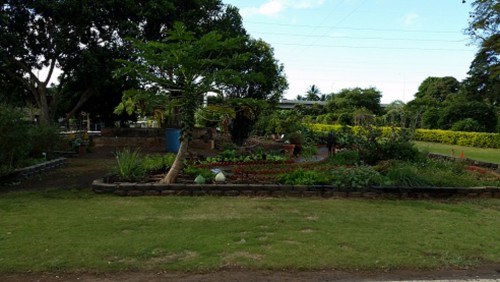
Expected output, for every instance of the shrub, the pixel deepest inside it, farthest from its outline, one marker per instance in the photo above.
(404, 174)
(355, 177)
(44, 139)
(15, 141)
(347, 157)
(128, 165)
(431, 173)
(154, 163)
(468, 124)
(303, 177)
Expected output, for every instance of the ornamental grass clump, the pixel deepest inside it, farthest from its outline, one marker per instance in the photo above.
(128, 166)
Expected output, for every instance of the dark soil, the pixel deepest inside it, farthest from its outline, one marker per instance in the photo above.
(82, 170)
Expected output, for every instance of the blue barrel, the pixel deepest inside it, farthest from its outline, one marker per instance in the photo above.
(172, 140)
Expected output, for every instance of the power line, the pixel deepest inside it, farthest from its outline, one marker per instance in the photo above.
(355, 28)
(339, 22)
(373, 47)
(365, 38)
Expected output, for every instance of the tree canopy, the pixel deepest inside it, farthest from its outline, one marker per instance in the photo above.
(39, 37)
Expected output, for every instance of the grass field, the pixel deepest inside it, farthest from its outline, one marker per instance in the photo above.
(80, 231)
(480, 154)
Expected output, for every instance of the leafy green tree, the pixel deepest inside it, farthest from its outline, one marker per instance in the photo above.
(259, 76)
(184, 69)
(483, 82)
(484, 20)
(394, 113)
(83, 38)
(431, 98)
(436, 89)
(463, 109)
(348, 100)
(313, 93)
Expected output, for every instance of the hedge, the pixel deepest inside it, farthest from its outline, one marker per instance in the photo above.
(461, 138)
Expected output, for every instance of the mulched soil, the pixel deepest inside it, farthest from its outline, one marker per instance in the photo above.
(82, 170)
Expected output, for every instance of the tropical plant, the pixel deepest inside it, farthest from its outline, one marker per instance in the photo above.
(185, 69)
(128, 166)
(313, 93)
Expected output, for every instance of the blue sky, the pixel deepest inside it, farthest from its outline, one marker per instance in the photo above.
(392, 45)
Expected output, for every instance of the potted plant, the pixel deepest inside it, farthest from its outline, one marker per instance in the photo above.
(297, 139)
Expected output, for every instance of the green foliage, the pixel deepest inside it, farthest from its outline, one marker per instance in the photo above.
(405, 175)
(304, 177)
(345, 157)
(195, 171)
(15, 142)
(468, 124)
(44, 139)
(435, 90)
(484, 115)
(348, 100)
(23, 143)
(431, 173)
(128, 166)
(472, 139)
(278, 122)
(157, 162)
(309, 151)
(356, 177)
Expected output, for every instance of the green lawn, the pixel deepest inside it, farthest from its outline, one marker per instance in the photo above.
(480, 154)
(81, 231)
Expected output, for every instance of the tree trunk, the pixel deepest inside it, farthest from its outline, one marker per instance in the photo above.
(177, 165)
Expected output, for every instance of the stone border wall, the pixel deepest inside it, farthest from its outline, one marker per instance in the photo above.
(466, 160)
(277, 190)
(33, 170)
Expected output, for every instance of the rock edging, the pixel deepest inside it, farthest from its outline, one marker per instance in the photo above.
(27, 172)
(281, 190)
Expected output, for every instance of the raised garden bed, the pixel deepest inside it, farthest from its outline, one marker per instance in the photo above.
(278, 190)
(31, 171)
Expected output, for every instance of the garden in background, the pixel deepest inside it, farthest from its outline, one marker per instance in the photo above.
(191, 68)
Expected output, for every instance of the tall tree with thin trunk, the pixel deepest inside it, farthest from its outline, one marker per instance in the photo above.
(184, 69)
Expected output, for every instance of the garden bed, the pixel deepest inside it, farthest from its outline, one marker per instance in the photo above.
(281, 190)
(27, 172)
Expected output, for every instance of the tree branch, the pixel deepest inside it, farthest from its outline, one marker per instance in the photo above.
(83, 98)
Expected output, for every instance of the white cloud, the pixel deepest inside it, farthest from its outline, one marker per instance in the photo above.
(409, 19)
(275, 7)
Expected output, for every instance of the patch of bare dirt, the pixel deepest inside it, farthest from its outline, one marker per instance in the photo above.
(488, 272)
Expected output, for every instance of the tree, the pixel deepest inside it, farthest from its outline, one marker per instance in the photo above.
(481, 113)
(484, 19)
(437, 89)
(260, 77)
(39, 37)
(313, 93)
(483, 82)
(184, 69)
(357, 98)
